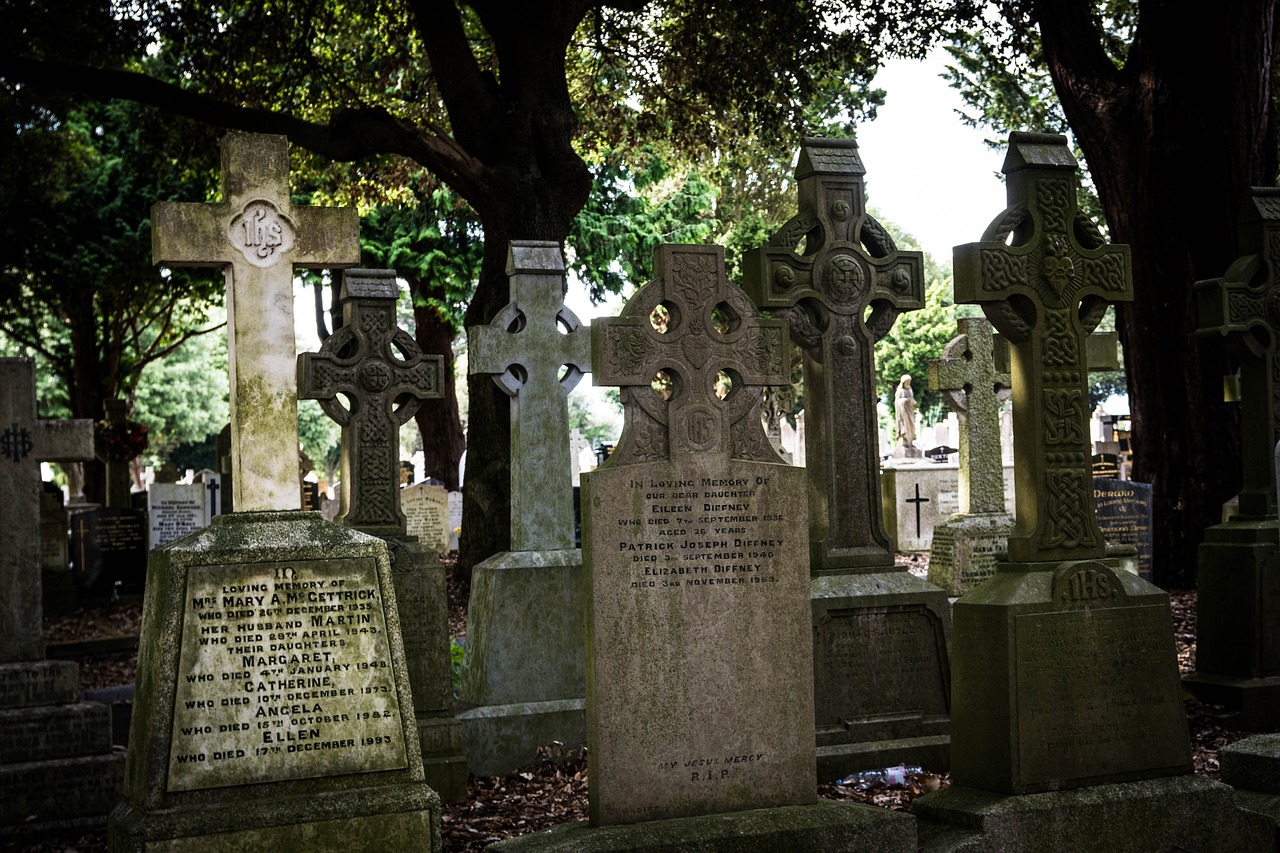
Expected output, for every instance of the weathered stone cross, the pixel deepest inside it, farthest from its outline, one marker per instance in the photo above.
(374, 364)
(1237, 306)
(258, 237)
(25, 441)
(848, 263)
(710, 327)
(1045, 293)
(524, 349)
(967, 376)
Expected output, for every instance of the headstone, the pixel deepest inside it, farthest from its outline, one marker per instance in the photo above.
(455, 519)
(1106, 466)
(56, 762)
(57, 588)
(175, 509)
(1064, 669)
(880, 633)
(964, 548)
(921, 497)
(273, 707)
(383, 375)
(426, 513)
(691, 545)
(1125, 515)
(212, 482)
(109, 551)
(523, 678)
(1238, 565)
(310, 495)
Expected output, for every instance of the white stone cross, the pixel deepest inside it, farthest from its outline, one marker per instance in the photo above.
(25, 441)
(258, 237)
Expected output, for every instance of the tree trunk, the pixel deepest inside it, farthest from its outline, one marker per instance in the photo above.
(438, 420)
(86, 387)
(1173, 146)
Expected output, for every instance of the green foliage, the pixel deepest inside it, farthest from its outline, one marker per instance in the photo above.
(183, 398)
(584, 419)
(915, 338)
(320, 437)
(456, 653)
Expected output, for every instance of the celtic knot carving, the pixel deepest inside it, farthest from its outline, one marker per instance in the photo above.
(1106, 273)
(1000, 270)
(790, 235)
(1053, 197)
(1063, 416)
(1067, 521)
(1243, 307)
(1060, 345)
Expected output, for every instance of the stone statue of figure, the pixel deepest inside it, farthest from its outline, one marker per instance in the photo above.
(904, 405)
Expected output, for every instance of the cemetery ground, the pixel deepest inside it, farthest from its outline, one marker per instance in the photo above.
(552, 788)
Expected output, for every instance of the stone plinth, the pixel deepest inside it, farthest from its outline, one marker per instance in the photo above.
(524, 679)
(273, 705)
(917, 497)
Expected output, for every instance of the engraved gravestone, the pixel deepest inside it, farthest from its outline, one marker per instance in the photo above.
(1064, 669)
(964, 548)
(426, 513)
(175, 509)
(880, 633)
(382, 374)
(1238, 571)
(522, 675)
(1125, 516)
(699, 697)
(273, 707)
(56, 761)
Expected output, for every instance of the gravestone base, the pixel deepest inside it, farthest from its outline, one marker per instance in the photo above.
(881, 672)
(57, 767)
(823, 827)
(444, 760)
(966, 548)
(1186, 813)
(1238, 623)
(1065, 675)
(273, 707)
(1252, 767)
(524, 673)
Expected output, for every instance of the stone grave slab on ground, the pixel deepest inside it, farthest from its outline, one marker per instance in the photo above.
(523, 671)
(1238, 565)
(881, 671)
(273, 708)
(1065, 673)
(383, 374)
(57, 767)
(700, 701)
(174, 510)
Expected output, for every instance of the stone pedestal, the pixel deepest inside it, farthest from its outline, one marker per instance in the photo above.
(273, 707)
(881, 679)
(1252, 767)
(1238, 623)
(824, 827)
(424, 626)
(523, 677)
(1184, 813)
(966, 548)
(57, 767)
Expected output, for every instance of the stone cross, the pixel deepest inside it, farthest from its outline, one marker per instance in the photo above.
(119, 482)
(25, 441)
(382, 373)
(848, 264)
(1046, 292)
(967, 376)
(709, 328)
(258, 237)
(1243, 306)
(524, 349)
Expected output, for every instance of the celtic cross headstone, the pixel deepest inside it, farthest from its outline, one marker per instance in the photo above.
(536, 350)
(26, 440)
(383, 374)
(694, 539)
(843, 282)
(257, 236)
(1046, 293)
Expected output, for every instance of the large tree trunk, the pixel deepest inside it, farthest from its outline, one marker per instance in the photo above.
(438, 420)
(1174, 141)
(86, 387)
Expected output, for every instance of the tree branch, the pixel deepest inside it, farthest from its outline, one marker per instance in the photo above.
(1074, 53)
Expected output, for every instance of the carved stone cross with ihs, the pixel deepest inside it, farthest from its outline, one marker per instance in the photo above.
(383, 375)
(691, 324)
(1045, 293)
(1243, 306)
(825, 267)
(257, 237)
(536, 350)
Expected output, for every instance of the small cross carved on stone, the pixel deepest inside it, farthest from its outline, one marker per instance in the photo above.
(1046, 292)
(1243, 306)
(842, 282)
(383, 375)
(697, 329)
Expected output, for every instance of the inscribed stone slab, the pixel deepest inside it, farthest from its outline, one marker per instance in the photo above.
(176, 509)
(426, 513)
(1125, 516)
